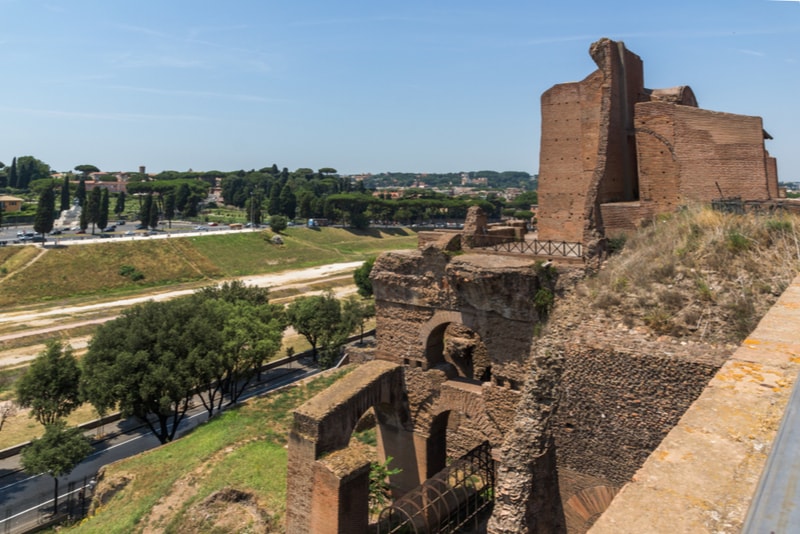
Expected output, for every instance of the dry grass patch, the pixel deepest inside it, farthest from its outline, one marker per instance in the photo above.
(700, 273)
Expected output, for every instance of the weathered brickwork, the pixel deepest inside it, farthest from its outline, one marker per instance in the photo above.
(607, 139)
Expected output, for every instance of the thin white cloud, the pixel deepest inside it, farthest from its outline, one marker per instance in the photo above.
(122, 117)
(751, 52)
(204, 94)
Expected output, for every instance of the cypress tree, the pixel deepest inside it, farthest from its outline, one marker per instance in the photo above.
(65, 194)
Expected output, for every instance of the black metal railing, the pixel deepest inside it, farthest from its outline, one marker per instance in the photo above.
(527, 246)
(458, 497)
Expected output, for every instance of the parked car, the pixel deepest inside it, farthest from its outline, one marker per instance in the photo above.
(130, 232)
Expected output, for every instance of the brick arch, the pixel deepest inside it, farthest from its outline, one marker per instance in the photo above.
(320, 467)
(466, 400)
(431, 334)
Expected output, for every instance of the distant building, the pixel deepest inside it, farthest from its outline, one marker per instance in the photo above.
(10, 204)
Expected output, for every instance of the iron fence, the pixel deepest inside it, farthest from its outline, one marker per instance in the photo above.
(458, 497)
(526, 246)
(72, 506)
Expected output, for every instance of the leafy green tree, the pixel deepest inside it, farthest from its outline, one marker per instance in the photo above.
(56, 453)
(137, 363)
(152, 220)
(362, 279)
(355, 312)
(50, 386)
(318, 318)
(86, 169)
(169, 207)
(287, 202)
(45, 212)
(13, 175)
(182, 198)
(144, 209)
(102, 215)
(278, 223)
(274, 207)
(30, 169)
(248, 331)
(83, 220)
(65, 194)
(80, 193)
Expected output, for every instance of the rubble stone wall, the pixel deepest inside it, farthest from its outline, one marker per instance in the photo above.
(616, 407)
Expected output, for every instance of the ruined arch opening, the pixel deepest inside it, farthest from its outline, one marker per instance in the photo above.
(459, 351)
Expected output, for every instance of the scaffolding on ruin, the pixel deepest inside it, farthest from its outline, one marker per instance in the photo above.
(460, 495)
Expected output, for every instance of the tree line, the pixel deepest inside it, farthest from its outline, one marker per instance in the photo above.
(156, 358)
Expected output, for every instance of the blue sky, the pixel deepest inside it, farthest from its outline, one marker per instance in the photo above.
(361, 86)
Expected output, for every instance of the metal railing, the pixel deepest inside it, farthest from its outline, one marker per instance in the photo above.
(774, 507)
(457, 497)
(72, 506)
(527, 246)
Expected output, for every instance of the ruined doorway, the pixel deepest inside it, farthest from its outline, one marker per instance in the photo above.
(460, 351)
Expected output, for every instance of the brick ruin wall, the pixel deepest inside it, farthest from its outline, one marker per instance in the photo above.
(586, 155)
(569, 144)
(590, 156)
(684, 153)
(616, 407)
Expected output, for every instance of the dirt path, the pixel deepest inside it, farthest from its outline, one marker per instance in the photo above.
(56, 319)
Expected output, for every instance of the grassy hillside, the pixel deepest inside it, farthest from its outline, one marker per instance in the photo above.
(31, 275)
(229, 475)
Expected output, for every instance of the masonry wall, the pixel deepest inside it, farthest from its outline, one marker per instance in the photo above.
(616, 407)
(685, 152)
(568, 156)
(624, 217)
(588, 154)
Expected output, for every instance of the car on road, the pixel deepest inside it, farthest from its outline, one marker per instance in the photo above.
(212, 223)
(56, 232)
(130, 232)
(141, 227)
(111, 228)
(201, 228)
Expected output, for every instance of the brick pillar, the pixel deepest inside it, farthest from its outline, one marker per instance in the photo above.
(340, 503)
(301, 457)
